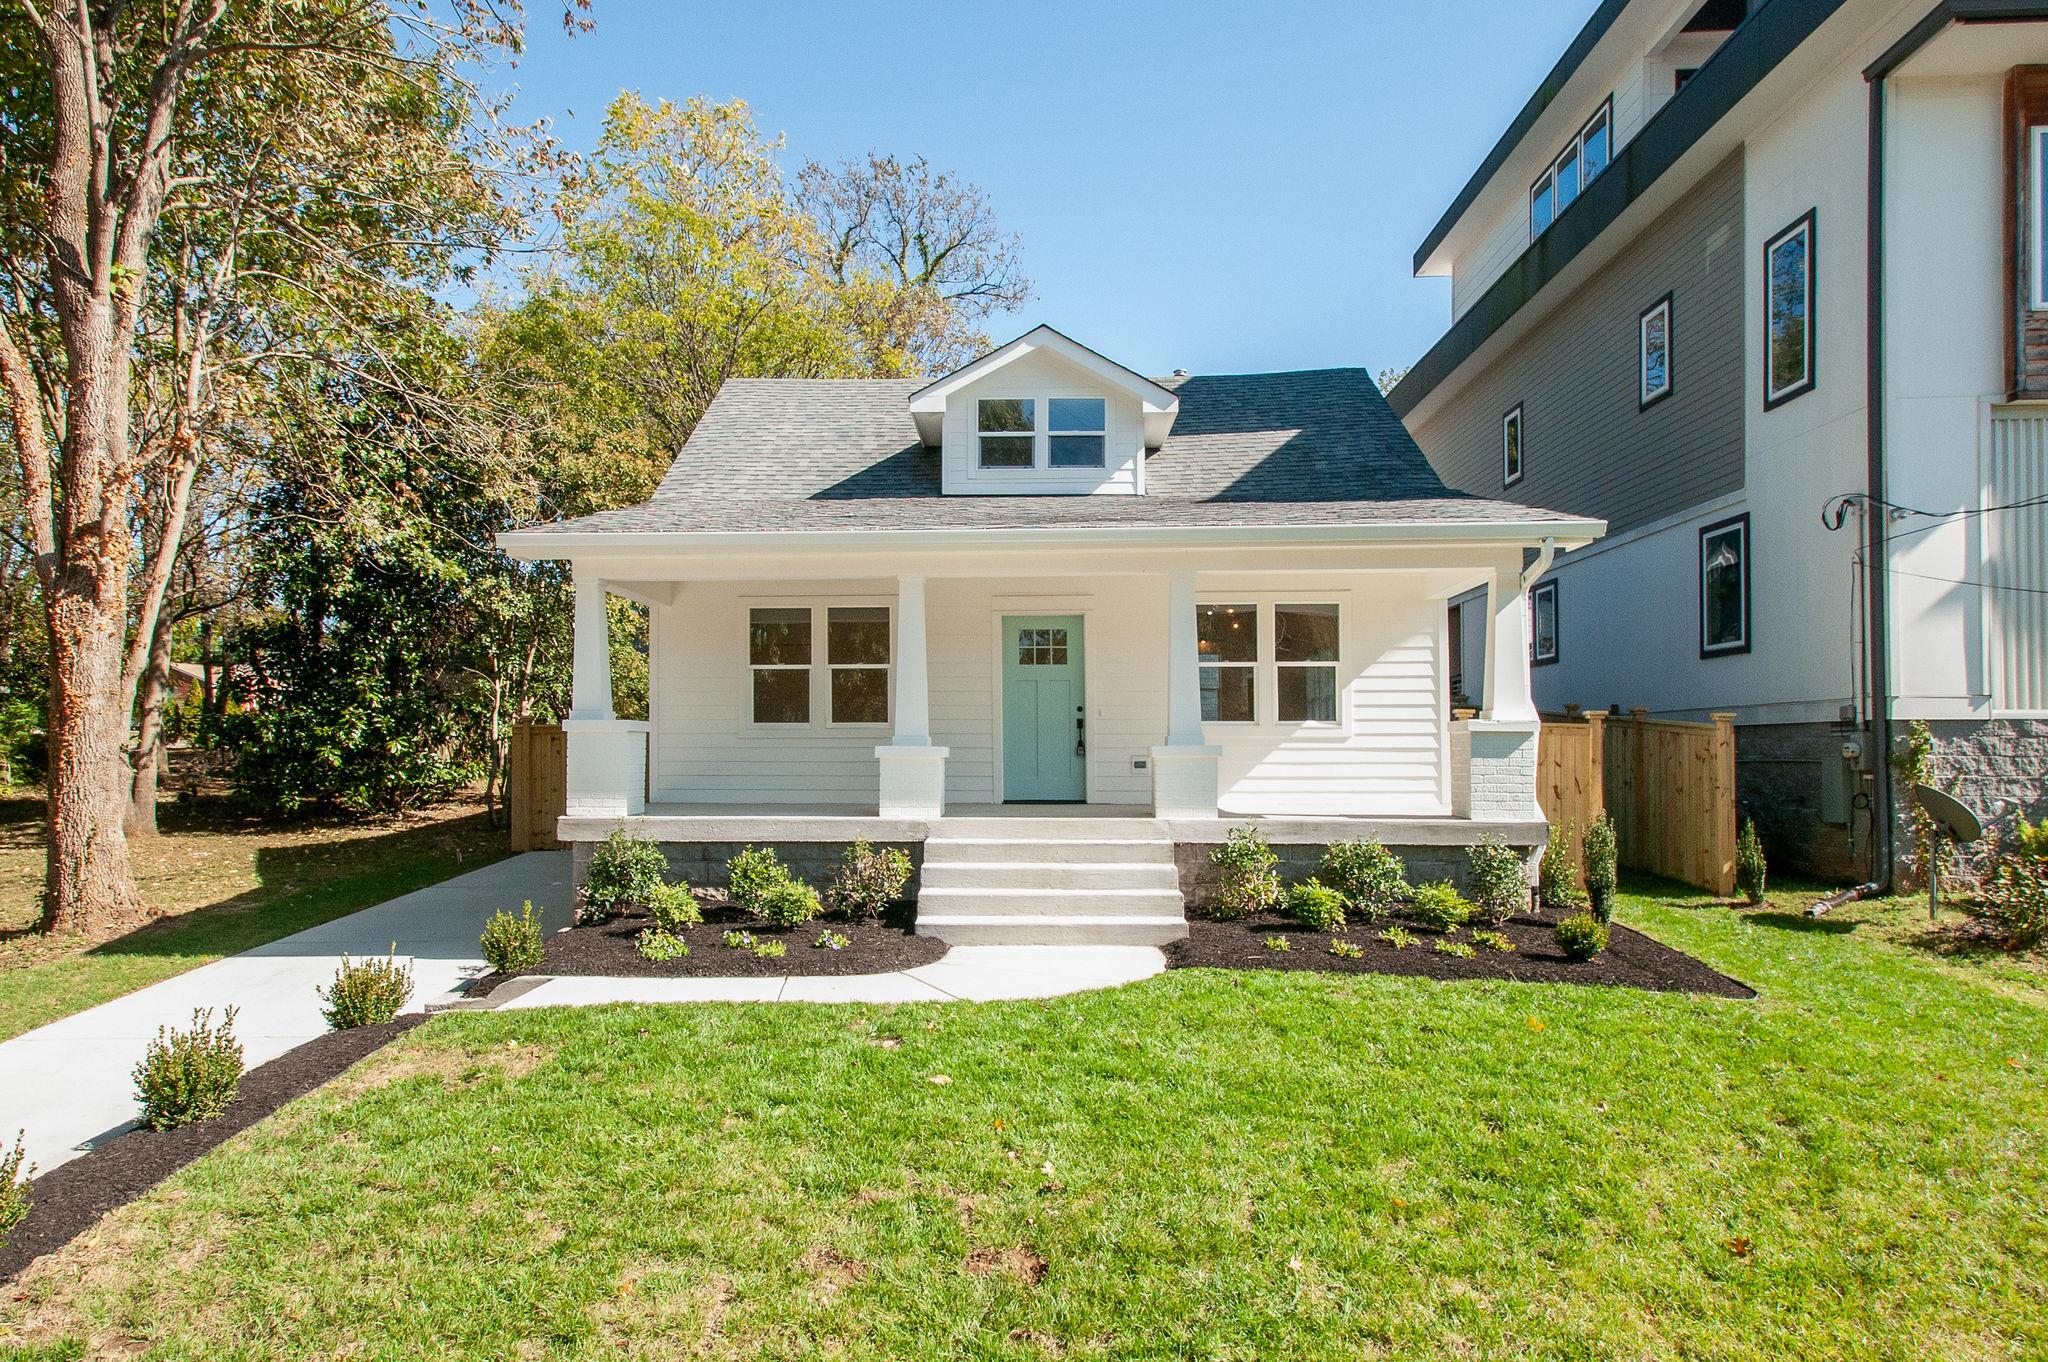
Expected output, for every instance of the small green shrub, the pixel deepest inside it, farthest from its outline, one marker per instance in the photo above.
(1250, 881)
(751, 874)
(1439, 907)
(14, 1180)
(2013, 909)
(2030, 839)
(1557, 876)
(1599, 853)
(658, 943)
(367, 992)
(513, 944)
(624, 869)
(1315, 905)
(188, 1076)
(770, 950)
(1751, 874)
(1399, 938)
(1446, 946)
(1345, 950)
(739, 940)
(672, 906)
(1493, 941)
(790, 904)
(829, 941)
(1277, 943)
(1370, 877)
(1581, 936)
(1497, 882)
(869, 881)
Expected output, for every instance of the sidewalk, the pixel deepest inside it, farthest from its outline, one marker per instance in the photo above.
(68, 1084)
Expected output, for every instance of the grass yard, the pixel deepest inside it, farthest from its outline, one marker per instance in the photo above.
(1209, 1164)
(224, 882)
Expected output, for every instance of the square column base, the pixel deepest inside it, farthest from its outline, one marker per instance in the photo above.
(913, 781)
(1493, 769)
(1184, 781)
(607, 767)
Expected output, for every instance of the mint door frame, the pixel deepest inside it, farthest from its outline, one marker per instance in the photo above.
(1006, 619)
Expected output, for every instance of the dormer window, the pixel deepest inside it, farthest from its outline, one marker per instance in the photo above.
(1079, 430)
(1008, 429)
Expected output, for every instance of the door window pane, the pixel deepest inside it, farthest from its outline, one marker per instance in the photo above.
(1041, 647)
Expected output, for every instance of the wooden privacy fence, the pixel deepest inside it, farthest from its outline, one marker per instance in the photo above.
(536, 785)
(1668, 786)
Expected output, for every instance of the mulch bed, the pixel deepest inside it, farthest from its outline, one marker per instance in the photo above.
(608, 948)
(1631, 959)
(70, 1199)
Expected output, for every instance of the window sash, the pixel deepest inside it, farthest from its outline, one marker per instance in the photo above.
(851, 669)
(1006, 427)
(1654, 353)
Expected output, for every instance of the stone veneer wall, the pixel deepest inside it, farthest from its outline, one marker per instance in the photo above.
(703, 863)
(1298, 862)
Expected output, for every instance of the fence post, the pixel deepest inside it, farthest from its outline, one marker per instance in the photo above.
(1596, 761)
(1725, 818)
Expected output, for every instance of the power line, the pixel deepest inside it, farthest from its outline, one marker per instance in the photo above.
(1965, 581)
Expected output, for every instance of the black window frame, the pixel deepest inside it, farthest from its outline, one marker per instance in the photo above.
(1521, 424)
(1670, 311)
(1739, 523)
(1809, 223)
(1536, 594)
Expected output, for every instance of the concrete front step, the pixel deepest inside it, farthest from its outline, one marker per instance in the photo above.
(1050, 903)
(1121, 930)
(1049, 875)
(1044, 829)
(950, 850)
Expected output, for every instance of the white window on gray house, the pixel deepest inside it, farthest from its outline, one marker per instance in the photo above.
(1079, 430)
(1543, 624)
(779, 653)
(1511, 447)
(1228, 639)
(1789, 313)
(1724, 587)
(1653, 376)
(2037, 189)
(1305, 661)
(1576, 167)
(857, 652)
(1007, 431)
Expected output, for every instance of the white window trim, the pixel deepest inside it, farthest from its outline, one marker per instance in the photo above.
(1035, 435)
(820, 667)
(1514, 417)
(1645, 398)
(1041, 433)
(2037, 143)
(1266, 664)
(1101, 433)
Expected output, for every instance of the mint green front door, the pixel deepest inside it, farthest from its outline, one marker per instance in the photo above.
(1044, 708)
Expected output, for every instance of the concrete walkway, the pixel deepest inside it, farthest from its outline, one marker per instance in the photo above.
(68, 1085)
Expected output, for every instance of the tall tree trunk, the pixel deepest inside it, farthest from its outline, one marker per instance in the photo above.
(89, 886)
(149, 744)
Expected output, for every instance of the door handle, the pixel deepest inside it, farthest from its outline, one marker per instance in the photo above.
(1080, 731)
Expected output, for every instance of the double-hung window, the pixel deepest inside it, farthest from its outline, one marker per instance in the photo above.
(1227, 637)
(1305, 656)
(1576, 167)
(781, 655)
(1077, 431)
(1007, 431)
(1071, 432)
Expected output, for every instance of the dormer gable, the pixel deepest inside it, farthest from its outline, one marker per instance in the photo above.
(1043, 416)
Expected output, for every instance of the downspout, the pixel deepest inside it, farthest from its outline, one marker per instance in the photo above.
(1876, 633)
(1544, 556)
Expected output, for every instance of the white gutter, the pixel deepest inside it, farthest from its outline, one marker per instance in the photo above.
(1544, 556)
(545, 544)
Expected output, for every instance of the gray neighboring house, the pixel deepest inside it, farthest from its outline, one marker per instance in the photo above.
(1054, 627)
(1764, 285)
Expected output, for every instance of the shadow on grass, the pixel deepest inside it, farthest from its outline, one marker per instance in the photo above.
(1800, 922)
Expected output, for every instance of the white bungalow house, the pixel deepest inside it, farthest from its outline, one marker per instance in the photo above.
(1055, 627)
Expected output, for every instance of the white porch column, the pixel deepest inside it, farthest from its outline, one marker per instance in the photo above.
(1184, 780)
(913, 771)
(1493, 757)
(607, 755)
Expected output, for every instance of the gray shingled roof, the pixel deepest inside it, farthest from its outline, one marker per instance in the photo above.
(1318, 447)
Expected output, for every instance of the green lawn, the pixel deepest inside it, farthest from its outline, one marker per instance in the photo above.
(1206, 1165)
(225, 883)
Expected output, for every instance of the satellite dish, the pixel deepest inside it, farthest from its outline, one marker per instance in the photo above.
(1957, 822)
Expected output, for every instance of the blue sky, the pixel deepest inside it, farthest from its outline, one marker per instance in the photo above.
(1216, 187)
